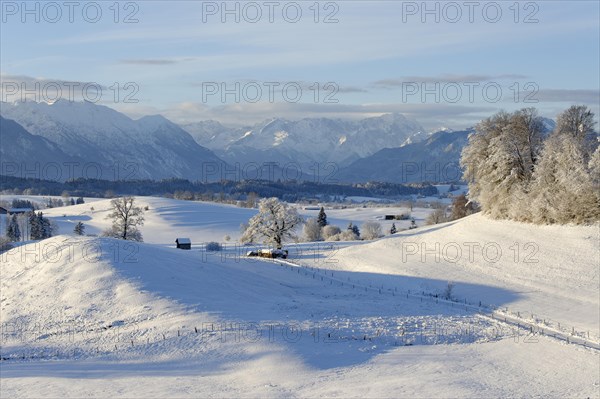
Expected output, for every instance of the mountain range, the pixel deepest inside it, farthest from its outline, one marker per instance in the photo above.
(105, 143)
(308, 140)
(68, 139)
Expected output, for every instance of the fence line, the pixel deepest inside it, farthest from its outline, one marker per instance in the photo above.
(549, 327)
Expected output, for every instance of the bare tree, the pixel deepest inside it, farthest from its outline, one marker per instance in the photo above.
(126, 217)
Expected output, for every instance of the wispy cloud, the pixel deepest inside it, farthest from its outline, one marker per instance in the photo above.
(149, 61)
(571, 96)
(430, 115)
(445, 78)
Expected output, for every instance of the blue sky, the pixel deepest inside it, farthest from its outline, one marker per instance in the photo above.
(370, 58)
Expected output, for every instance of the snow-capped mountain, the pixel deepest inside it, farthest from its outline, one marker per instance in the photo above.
(435, 159)
(25, 155)
(151, 147)
(308, 140)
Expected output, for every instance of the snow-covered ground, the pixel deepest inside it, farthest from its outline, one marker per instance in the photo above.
(95, 317)
(167, 219)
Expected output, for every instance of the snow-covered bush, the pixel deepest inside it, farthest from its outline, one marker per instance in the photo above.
(312, 230)
(371, 230)
(437, 216)
(346, 235)
(213, 246)
(329, 231)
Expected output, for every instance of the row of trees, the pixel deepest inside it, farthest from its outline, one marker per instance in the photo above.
(32, 226)
(276, 222)
(516, 170)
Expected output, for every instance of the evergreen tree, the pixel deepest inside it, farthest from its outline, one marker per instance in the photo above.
(322, 218)
(39, 226)
(72, 202)
(393, 229)
(354, 229)
(12, 230)
(46, 227)
(80, 201)
(79, 229)
(35, 228)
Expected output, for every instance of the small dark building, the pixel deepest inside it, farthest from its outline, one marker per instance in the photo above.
(14, 211)
(183, 243)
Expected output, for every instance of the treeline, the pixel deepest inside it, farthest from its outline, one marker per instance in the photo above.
(235, 190)
(29, 226)
(516, 170)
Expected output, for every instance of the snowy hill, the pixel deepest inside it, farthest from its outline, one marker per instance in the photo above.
(149, 148)
(97, 316)
(550, 271)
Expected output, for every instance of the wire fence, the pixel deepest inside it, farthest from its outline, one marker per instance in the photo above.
(535, 324)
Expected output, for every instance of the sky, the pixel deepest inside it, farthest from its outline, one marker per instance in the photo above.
(445, 64)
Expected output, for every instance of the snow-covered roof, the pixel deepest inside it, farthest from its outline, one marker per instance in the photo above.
(183, 241)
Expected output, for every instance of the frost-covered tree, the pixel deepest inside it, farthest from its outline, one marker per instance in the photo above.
(13, 232)
(312, 230)
(578, 122)
(371, 230)
(126, 218)
(515, 172)
(500, 158)
(437, 216)
(564, 188)
(275, 222)
(79, 229)
(322, 217)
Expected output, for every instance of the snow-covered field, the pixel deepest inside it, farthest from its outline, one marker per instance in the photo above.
(95, 317)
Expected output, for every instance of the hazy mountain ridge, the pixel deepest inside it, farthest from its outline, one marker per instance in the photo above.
(151, 147)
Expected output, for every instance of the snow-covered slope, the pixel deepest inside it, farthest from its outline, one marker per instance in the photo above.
(149, 148)
(550, 271)
(434, 159)
(24, 154)
(99, 317)
(167, 219)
